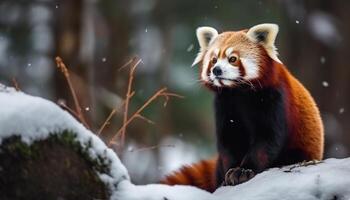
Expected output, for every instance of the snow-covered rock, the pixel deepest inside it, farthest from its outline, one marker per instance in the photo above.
(35, 119)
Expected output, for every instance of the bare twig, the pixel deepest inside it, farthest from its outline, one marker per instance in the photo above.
(63, 68)
(68, 109)
(15, 84)
(161, 92)
(145, 119)
(127, 100)
(127, 63)
(112, 113)
(106, 121)
(152, 147)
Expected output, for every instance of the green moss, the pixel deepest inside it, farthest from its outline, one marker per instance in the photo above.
(59, 161)
(17, 145)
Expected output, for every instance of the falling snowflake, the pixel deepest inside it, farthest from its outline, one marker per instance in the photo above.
(325, 84)
(146, 30)
(87, 109)
(190, 48)
(104, 59)
(56, 6)
(297, 21)
(323, 60)
(231, 120)
(130, 148)
(341, 110)
(29, 64)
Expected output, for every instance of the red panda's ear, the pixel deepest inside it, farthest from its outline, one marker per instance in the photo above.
(265, 34)
(205, 36)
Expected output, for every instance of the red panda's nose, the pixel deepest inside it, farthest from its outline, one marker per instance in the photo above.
(217, 71)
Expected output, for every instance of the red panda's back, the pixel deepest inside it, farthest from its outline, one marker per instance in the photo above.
(304, 120)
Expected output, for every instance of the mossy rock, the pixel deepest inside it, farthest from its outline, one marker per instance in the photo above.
(55, 168)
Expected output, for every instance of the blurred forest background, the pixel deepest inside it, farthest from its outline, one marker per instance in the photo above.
(96, 37)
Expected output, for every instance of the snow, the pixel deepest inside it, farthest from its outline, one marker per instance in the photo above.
(323, 181)
(325, 83)
(326, 180)
(190, 48)
(323, 27)
(36, 118)
(323, 60)
(128, 191)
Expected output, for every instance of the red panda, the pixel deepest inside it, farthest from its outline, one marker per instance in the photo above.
(264, 116)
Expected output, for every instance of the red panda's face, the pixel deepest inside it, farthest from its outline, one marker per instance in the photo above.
(234, 58)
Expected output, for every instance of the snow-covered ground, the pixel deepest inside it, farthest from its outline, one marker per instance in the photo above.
(34, 118)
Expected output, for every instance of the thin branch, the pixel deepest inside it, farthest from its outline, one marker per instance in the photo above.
(128, 95)
(167, 96)
(127, 63)
(106, 121)
(68, 109)
(15, 84)
(173, 95)
(145, 119)
(61, 66)
(152, 147)
(161, 92)
(127, 120)
(112, 113)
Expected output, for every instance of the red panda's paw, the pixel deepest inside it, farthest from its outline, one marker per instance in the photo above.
(235, 176)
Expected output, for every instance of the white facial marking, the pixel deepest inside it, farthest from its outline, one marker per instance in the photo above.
(216, 52)
(251, 68)
(229, 73)
(226, 82)
(217, 83)
(228, 51)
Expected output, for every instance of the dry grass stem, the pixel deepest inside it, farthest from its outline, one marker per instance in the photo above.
(127, 63)
(160, 93)
(63, 68)
(68, 109)
(15, 84)
(106, 122)
(152, 147)
(145, 119)
(128, 96)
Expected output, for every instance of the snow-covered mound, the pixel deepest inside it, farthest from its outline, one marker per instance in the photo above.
(328, 180)
(34, 119)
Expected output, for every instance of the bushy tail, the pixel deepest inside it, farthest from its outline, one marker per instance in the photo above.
(201, 174)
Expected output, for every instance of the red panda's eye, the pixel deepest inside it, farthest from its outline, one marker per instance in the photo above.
(232, 59)
(214, 60)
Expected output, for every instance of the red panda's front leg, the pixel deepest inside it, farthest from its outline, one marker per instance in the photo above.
(254, 162)
(260, 157)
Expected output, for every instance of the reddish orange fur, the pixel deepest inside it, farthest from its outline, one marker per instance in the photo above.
(201, 174)
(305, 126)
